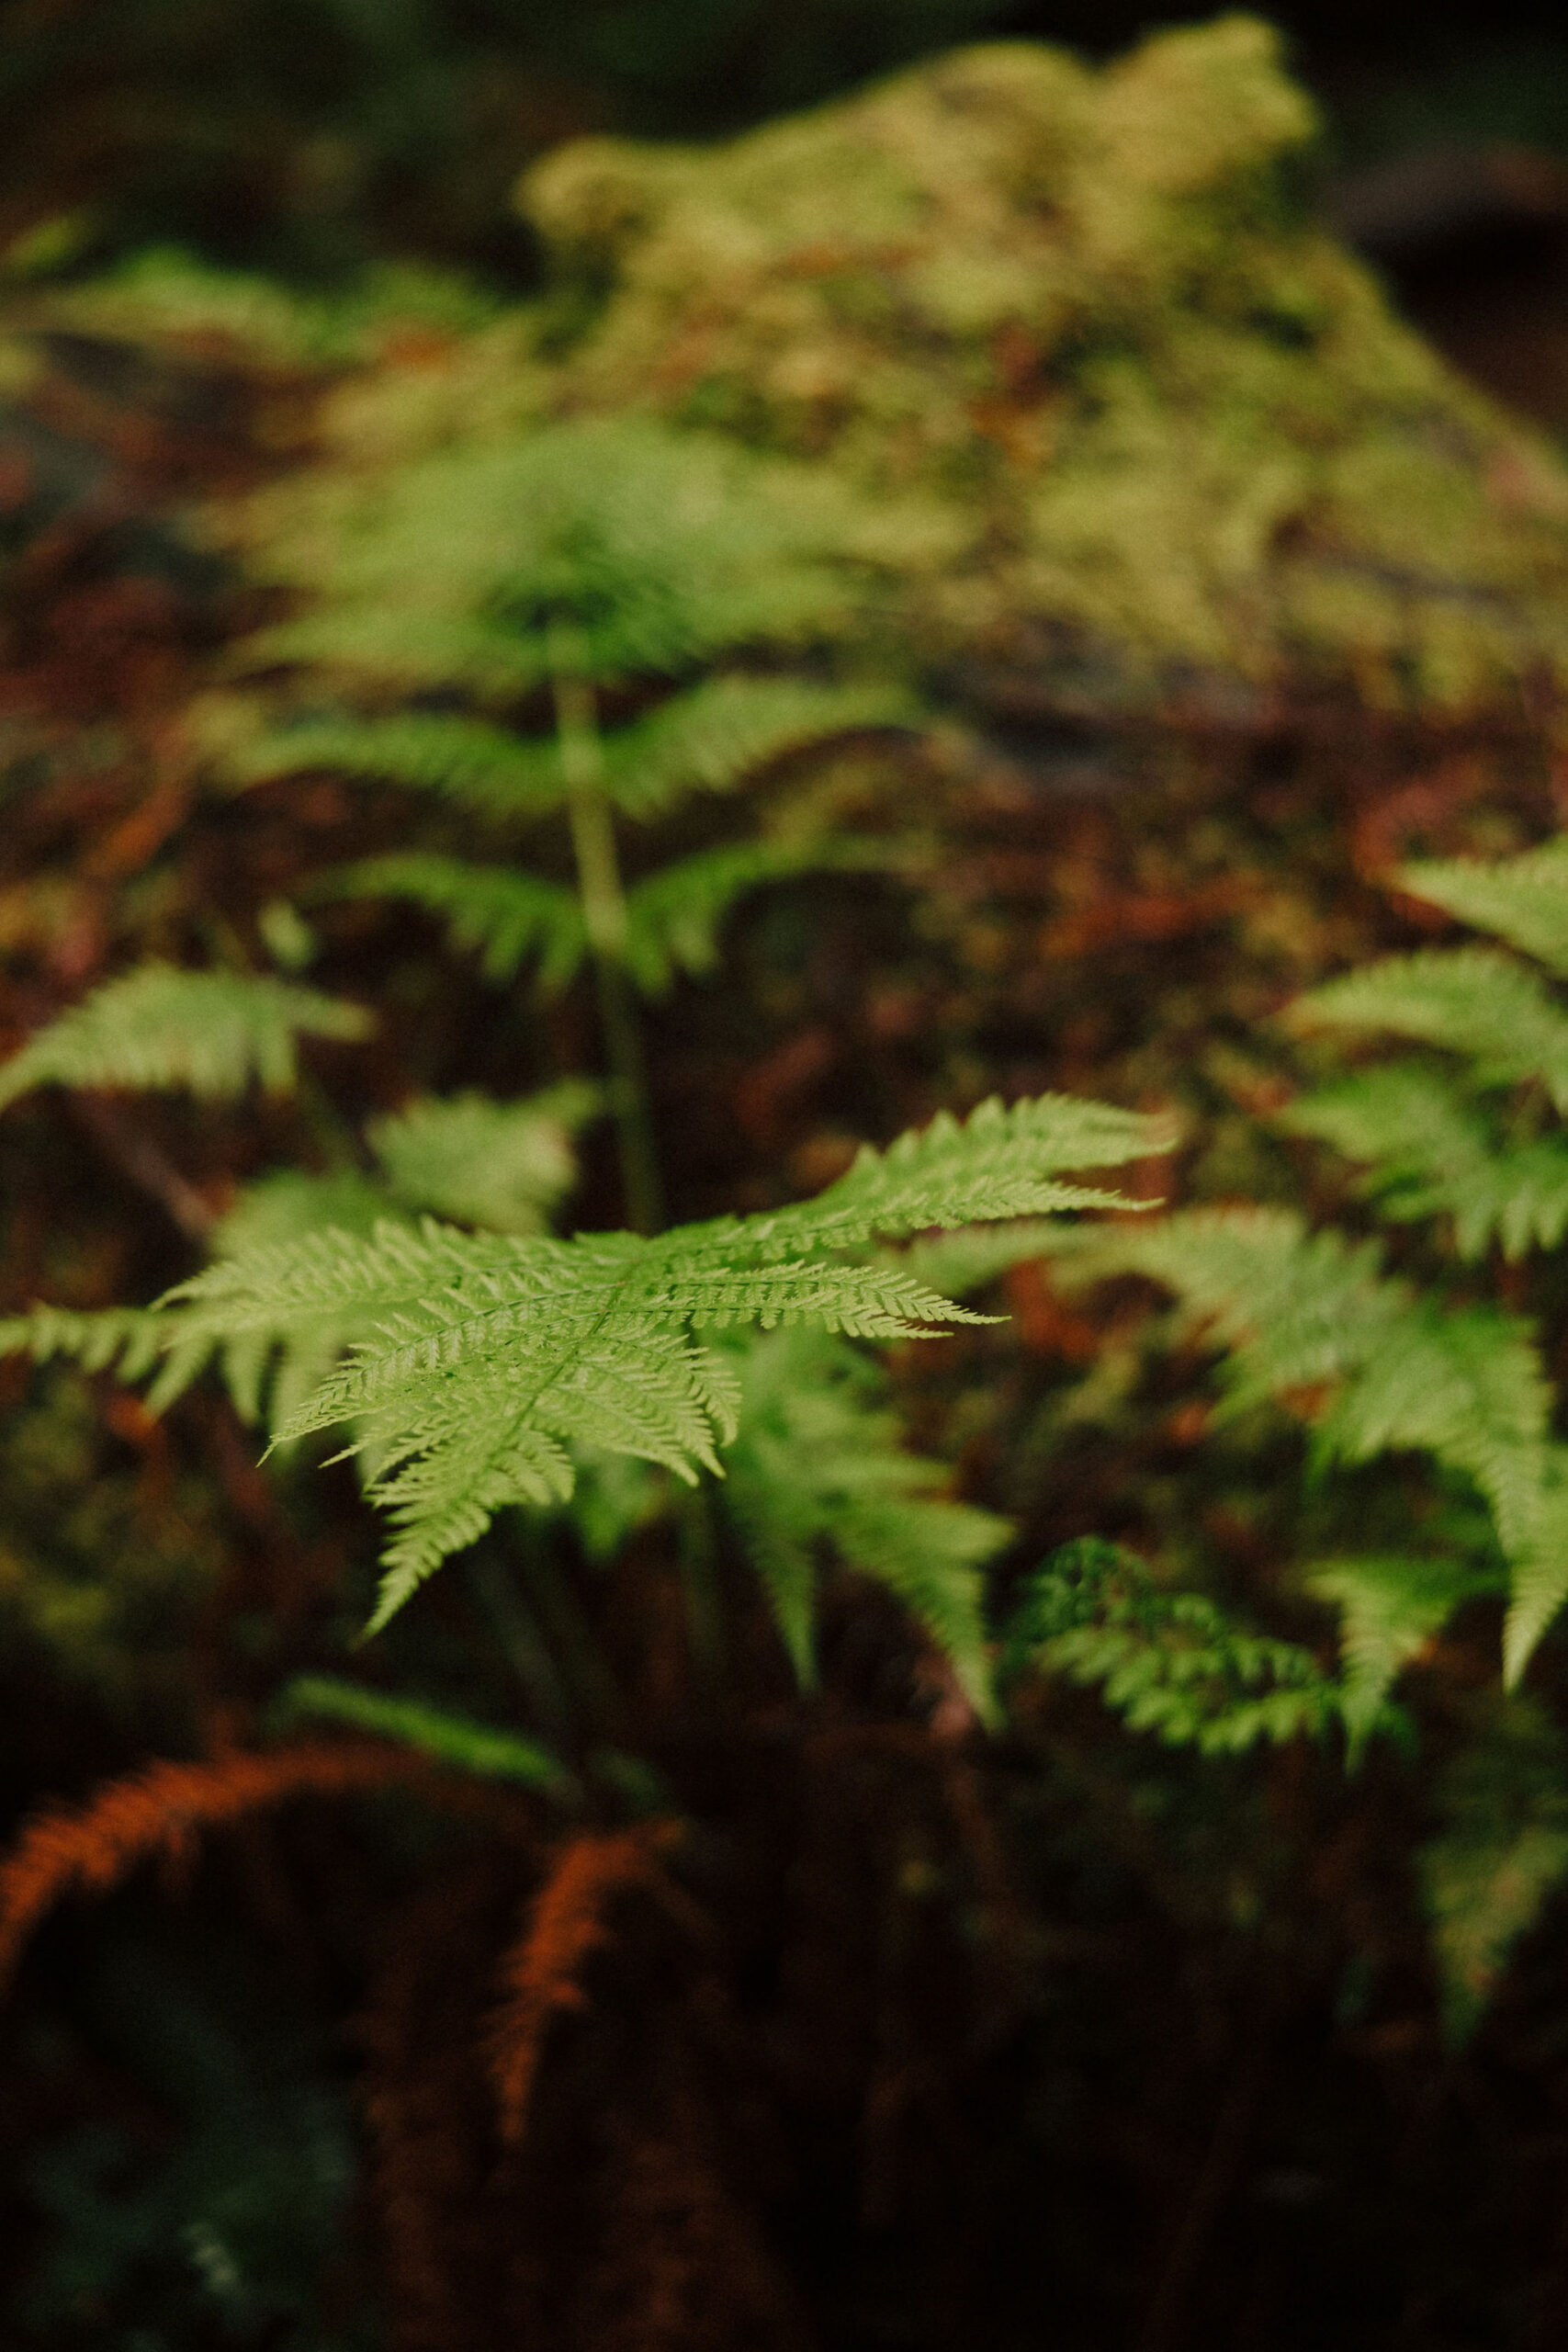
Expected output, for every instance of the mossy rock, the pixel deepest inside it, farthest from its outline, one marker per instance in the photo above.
(1188, 460)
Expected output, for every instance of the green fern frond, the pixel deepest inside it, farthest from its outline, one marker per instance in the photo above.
(502, 915)
(1000, 1162)
(1310, 1317)
(1465, 1385)
(1523, 900)
(1434, 1156)
(817, 1470)
(270, 1369)
(1540, 1580)
(1297, 1309)
(128, 1340)
(499, 1165)
(1471, 1001)
(674, 917)
(412, 648)
(492, 1358)
(716, 735)
(1170, 1663)
(441, 1732)
(653, 549)
(1389, 1609)
(481, 766)
(211, 1033)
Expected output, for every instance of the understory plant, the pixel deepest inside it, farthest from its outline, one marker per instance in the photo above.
(1415, 1343)
(495, 1383)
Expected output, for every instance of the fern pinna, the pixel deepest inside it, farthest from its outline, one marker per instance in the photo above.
(1464, 1141)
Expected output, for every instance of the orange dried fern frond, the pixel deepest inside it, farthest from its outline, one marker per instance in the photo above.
(159, 1814)
(567, 1920)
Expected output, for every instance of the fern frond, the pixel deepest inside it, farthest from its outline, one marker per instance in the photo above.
(1170, 1663)
(1434, 1156)
(494, 1358)
(1000, 1162)
(1296, 1309)
(1523, 900)
(499, 1165)
(674, 917)
(270, 1369)
(716, 735)
(481, 766)
(1383, 1369)
(440, 1732)
(1389, 1609)
(502, 915)
(654, 549)
(1467, 1387)
(128, 1340)
(211, 1033)
(1472, 1000)
(409, 646)
(817, 1469)
(1540, 1580)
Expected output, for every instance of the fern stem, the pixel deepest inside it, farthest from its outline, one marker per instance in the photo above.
(603, 901)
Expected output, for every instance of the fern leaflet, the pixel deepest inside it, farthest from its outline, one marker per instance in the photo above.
(1522, 899)
(501, 914)
(1434, 1155)
(816, 1467)
(1471, 1001)
(674, 917)
(211, 1033)
(480, 765)
(717, 735)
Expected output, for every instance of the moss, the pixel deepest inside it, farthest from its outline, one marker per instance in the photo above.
(1186, 447)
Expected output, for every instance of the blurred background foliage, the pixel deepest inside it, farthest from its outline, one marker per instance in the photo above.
(312, 135)
(1228, 596)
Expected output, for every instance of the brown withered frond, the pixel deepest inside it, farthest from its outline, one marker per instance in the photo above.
(159, 1814)
(567, 1920)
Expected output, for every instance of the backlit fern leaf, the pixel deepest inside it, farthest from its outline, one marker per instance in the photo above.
(409, 646)
(211, 1033)
(818, 1472)
(1433, 1154)
(997, 1163)
(270, 1369)
(1473, 1000)
(1464, 1385)
(504, 916)
(491, 1358)
(1523, 900)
